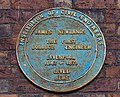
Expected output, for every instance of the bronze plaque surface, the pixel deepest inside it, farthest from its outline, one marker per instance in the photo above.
(60, 49)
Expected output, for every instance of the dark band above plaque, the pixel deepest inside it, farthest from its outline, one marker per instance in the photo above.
(61, 49)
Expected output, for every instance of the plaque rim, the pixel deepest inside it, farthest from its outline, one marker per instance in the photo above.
(90, 66)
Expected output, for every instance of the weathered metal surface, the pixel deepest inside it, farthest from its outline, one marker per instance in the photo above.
(60, 49)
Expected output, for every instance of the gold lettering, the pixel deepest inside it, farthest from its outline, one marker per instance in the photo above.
(93, 28)
(43, 47)
(62, 32)
(60, 57)
(61, 78)
(69, 41)
(62, 71)
(51, 13)
(50, 63)
(66, 12)
(43, 32)
(39, 17)
(81, 17)
(52, 41)
(96, 31)
(71, 62)
(77, 47)
(100, 42)
(22, 38)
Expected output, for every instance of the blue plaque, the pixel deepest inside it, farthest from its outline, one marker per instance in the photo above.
(61, 49)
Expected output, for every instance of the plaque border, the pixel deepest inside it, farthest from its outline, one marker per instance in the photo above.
(69, 89)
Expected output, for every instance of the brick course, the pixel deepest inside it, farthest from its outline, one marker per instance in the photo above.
(31, 4)
(13, 15)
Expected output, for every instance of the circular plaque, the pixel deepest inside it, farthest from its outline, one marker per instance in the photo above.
(60, 49)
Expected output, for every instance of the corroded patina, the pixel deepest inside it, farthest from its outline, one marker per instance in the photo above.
(60, 49)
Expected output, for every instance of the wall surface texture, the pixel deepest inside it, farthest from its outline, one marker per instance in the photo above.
(13, 15)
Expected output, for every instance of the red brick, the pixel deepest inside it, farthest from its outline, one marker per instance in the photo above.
(32, 4)
(118, 56)
(9, 71)
(118, 30)
(8, 58)
(110, 57)
(8, 95)
(49, 95)
(4, 4)
(15, 16)
(4, 86)
(8, 65)
(113, 43)
(7, 44)
(113, 71)
(110, 4)
(16, 30)
(31, 95)
(27, 15)
(108, 29)
(83, 95)
(62, 95)
(114, 95)
(4, 57)
(5, 30)
(95, 4)
(112, 16)
(12, 58)
(96, 15)
(3, 54)
(19, 17)
(96, 95)
(86, 4)
(63, 3)
(23, 86)
(5, 16)
(101, 85)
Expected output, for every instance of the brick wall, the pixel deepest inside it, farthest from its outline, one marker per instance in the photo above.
(13, 15)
